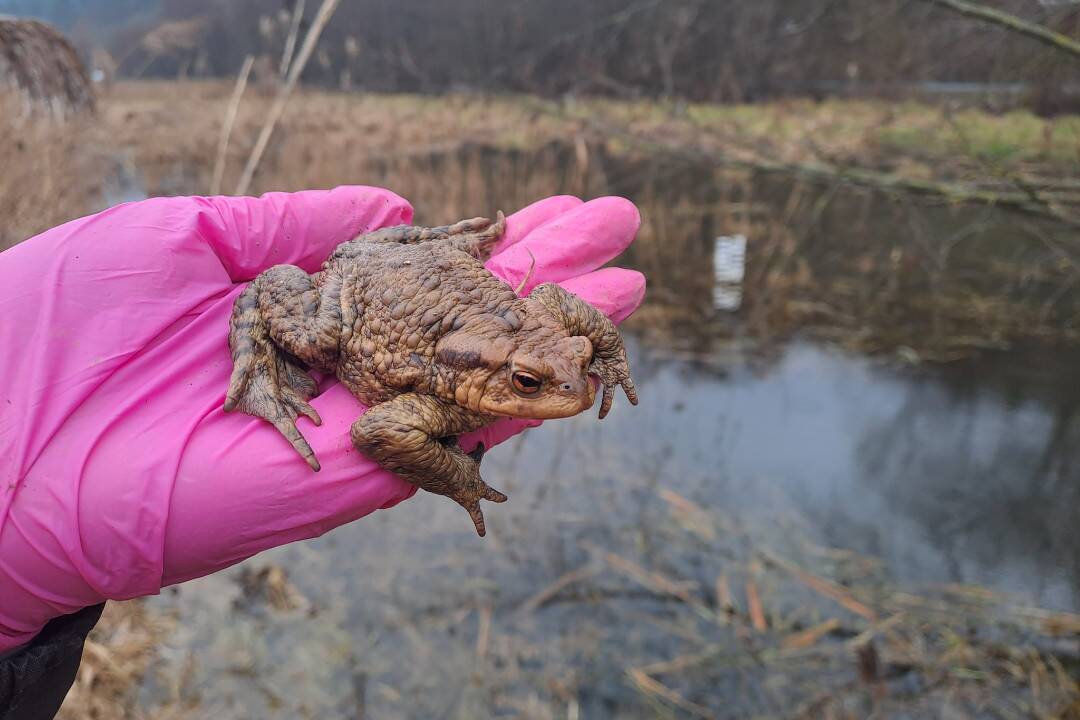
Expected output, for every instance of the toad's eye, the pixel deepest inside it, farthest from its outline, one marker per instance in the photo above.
(525, 383)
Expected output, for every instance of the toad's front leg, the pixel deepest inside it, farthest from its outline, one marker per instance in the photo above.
(404, 434)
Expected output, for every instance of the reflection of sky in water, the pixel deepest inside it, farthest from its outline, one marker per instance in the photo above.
(944, 488)
(729, 267)
(727, 297)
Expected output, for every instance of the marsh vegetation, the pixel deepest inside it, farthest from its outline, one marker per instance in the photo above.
(852, 489)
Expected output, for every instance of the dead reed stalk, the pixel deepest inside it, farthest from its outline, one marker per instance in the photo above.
(326, 11)
(290, 41)
(230, 120)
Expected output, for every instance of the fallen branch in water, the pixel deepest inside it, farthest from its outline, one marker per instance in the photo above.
(650, 686)
(821, 586)
(951, 192)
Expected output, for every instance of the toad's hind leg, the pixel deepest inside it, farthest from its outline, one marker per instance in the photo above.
(479, 239)
(281, 322)
(476, 236)
(404, 435)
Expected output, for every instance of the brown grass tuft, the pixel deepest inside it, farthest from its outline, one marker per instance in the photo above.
(40, 63)
(117, 655)
(53, 171)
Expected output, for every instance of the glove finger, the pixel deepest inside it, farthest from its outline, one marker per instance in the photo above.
(301, 228)
(576, 242)
(614, 291)
(530, 217)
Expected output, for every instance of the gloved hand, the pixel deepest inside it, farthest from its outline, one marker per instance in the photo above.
(119, 471)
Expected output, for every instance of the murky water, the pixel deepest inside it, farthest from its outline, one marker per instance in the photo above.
(967, 472)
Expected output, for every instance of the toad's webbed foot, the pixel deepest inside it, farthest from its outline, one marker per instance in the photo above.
(411, 436)
(273, 388)
(279, 323)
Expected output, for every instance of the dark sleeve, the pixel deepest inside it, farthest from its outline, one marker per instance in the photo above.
(36, 678)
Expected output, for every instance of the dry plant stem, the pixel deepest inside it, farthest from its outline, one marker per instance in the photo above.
(230, 120)
(483, 633)
(809, 637)
(821, 586)
(656, 582)
(310, 41)
(1012, 23)
(290, 42)
(757, 611)
(562, 582)
(649, 686)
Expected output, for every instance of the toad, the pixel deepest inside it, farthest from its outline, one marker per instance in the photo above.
(413, 324)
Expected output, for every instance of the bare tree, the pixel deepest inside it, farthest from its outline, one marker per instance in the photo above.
(719, 50)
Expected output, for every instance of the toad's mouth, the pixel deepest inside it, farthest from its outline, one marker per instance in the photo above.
(551, 407)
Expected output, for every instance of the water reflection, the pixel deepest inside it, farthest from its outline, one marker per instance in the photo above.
(875, 271)
(947, 479)
(963, 472)
(729, 269)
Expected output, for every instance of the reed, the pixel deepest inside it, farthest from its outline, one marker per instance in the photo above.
(54, 171)
(38, 62)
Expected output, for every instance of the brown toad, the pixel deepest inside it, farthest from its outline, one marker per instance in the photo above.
(413, 324)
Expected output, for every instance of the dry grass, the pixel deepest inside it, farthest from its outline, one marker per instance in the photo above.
(117, 655)
(328, 138)
(53, 171)
(324, 135)
(828, 636)
(41, 64)
(912, 138)
(323, 138)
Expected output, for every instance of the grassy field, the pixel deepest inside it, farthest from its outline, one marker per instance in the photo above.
(170, 131)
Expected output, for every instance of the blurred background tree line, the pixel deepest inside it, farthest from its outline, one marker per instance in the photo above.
(698, 50)
(936, 237)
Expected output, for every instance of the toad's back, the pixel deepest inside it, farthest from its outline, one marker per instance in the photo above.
(397, 301)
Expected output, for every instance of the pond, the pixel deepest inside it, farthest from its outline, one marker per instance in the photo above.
(788, 400)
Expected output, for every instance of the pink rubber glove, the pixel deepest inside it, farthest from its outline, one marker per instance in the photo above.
(119, 471)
